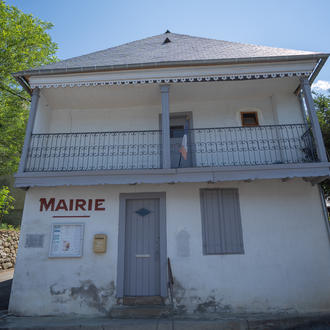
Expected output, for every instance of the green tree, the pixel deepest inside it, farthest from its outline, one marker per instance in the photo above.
(24, 43)
(6, 202)
(322, 105)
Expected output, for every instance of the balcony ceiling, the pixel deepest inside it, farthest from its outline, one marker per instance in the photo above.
(107, 97)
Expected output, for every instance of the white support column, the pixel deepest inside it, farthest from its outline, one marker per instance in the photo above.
(320, 148)
(166, 153)
(29, 128)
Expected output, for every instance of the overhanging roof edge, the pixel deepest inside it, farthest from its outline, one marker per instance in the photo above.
(171, 63)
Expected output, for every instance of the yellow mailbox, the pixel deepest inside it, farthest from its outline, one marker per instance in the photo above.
(100, 243)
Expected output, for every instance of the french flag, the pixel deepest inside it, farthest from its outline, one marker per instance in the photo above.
(184, 144)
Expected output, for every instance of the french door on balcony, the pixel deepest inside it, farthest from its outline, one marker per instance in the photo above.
(180, 123)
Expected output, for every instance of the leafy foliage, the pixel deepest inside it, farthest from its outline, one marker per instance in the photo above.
(13, 117)
(5, 226)
(322, 105)
(24, 43)
(6, 201)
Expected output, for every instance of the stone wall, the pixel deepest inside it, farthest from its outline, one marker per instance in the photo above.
(8, 247)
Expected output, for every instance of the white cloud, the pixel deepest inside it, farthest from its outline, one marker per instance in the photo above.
(321, 86)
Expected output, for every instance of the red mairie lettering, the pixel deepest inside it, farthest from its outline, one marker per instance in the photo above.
(61, 205)
(79, 204)
(44, 204)
(98, 204)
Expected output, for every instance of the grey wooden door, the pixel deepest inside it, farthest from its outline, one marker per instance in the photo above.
(142, 248)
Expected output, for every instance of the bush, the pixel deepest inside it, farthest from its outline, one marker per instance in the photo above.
(6, 202)
(6, 226)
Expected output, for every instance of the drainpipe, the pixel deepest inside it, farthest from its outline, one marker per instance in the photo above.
(325, 210)
(307, 93)
(302, 107)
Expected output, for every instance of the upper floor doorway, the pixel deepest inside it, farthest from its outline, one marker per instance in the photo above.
(180, 137)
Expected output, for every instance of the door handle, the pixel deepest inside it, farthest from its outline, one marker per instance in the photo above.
(142, 256)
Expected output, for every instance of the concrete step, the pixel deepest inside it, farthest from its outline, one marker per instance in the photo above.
(146, 300)
(140, 312)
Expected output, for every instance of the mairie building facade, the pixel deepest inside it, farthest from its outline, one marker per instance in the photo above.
(177, 171)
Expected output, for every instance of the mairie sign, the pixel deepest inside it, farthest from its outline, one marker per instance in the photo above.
(79, 204)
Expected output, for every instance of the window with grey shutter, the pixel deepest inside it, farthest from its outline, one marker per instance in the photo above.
(221, 222)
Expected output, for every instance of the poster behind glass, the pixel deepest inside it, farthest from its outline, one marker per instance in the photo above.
(66, 240)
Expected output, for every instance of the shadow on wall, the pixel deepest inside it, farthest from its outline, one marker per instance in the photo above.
(15, 216)
(5, 288)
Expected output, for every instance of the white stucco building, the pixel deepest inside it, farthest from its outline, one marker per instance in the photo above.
(111, 202)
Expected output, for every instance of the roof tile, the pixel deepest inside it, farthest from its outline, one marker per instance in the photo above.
(181, 48)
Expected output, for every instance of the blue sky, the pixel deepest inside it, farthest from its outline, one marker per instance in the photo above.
(84, 26)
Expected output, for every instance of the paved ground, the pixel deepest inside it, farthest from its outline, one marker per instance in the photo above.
(314, 322)
(5, 287)
(6, 275)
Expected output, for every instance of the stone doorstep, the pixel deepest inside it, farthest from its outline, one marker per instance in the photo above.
(140, 311)
(143, 300)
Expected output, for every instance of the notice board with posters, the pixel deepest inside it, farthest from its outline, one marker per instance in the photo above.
(66, 240)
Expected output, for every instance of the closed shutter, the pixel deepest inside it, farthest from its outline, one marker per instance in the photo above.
(221, 222)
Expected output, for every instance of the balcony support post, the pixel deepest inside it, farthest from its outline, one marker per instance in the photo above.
(29, 129)
(320, 148)
(166, 153)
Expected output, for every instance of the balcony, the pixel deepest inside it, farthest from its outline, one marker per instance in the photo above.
(207, 147)
(94, 151)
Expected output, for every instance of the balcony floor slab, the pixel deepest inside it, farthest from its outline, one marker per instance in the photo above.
(314, 172)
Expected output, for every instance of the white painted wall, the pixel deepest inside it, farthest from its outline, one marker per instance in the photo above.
(105, 120)
(43, 115)
(283, 105)
(286, 265)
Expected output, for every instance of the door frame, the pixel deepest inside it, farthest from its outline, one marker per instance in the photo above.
(191, 137)
(162, 239)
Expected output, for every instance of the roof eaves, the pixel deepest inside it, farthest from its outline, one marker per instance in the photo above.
(132, 66)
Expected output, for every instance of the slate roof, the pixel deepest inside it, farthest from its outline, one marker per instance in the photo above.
(152, 52)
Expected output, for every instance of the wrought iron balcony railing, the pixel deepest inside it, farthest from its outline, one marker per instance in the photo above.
(206, 147)
(94, 151)
(258, 145)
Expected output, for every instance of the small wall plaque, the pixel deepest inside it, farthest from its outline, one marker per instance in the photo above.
(100, 243)
(34, 240)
